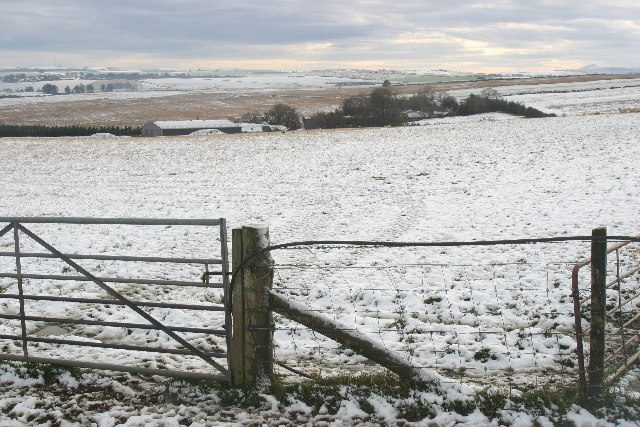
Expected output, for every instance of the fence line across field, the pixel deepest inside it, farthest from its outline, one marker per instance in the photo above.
(301, 290)
(427, 334)
(111, 221)
(511, 320)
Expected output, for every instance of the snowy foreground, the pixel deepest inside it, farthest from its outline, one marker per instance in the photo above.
(489, 178)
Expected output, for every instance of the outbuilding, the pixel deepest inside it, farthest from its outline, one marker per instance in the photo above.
(186, 127)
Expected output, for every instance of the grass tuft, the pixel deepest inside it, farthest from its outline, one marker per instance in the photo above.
(413, 401)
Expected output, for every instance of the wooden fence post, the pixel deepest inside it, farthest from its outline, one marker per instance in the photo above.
(252, 343)
(598, 312)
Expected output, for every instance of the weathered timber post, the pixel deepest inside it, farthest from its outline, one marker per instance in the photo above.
(598, 311)
(252, 343)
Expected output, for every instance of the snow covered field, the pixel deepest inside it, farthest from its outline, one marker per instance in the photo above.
(257, 82)
(243, 82)
(599, 96)
(467, 180)
(607, 99)
(75, 97)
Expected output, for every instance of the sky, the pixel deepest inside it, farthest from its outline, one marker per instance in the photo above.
(476, 36)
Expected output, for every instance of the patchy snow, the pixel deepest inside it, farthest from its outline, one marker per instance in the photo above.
(255, 127)
(556, 88)
(207, 132)
(75, 97)
(485, 117)
(598, 96)
(605, 100)
(484, 178)
(254, 82)
(103, 135)
(194, 124)
(571, 87)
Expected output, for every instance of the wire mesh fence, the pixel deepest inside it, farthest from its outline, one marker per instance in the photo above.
(499, 315)
(483, 313)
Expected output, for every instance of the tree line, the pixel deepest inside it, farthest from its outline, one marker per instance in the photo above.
(41, 76)
(8, 130)
(383, 108)
(22, 77)
(52, 89)
(490, 101)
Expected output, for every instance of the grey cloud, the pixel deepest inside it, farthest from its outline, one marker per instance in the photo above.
(358, 30)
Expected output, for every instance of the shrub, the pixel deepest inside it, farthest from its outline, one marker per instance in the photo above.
(285, 115)
(380, 108)
(50, 89)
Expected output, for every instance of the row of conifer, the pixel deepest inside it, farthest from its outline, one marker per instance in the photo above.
(9, 130)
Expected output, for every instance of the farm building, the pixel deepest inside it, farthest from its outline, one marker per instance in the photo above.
(188, 127)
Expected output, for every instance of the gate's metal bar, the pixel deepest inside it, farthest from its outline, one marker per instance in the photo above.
(624, 276)
(613, 310)
(122, 298)
(613, 282)
(624, 302)
(623, 368)
(114, 280)
(220, 332)
(109, 221)
(23, 324)
(615, 352)
(627, 324)
(624, 345)
(119, 258)
(115, 302)
(577, 303)
(224, 251)
(119, 368)
(128, 347)
(575, 293)
(6, 229)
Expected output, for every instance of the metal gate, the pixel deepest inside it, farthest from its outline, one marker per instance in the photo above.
(132, 324)
(620, 337)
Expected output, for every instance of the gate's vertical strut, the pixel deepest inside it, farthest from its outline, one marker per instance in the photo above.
(23, 325)
(228, 321)
(619, 282)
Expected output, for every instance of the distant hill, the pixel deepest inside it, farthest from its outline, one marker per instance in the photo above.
(594, 69)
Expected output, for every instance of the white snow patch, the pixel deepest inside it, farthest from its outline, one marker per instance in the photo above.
(207, 132)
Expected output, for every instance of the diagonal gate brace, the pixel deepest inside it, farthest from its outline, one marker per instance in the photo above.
(118, 296)
(340, 333)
